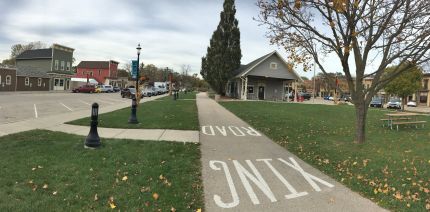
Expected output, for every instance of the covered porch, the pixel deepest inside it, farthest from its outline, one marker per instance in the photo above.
(261, 88)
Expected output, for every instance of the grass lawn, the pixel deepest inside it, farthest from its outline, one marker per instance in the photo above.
(182, 95)
(51, 171)
(160, 114)
(392, 168)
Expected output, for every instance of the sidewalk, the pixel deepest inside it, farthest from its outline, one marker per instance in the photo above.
(243, 170)
(55, 123)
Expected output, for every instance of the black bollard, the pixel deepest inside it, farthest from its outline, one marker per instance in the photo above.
(133, 118)
(93, 139)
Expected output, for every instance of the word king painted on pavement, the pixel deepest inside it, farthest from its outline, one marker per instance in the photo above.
(252, 175)
(229, 130)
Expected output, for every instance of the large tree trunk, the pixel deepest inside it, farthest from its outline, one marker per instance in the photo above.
(360, 124)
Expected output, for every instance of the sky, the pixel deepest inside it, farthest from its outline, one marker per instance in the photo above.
(172, 33)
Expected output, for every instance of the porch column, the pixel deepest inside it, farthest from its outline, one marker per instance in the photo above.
(428, 99)
(246, 88)
(295, 91)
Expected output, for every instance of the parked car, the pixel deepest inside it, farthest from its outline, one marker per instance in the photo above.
(376, 102)
(147, 92)
(394, 103)
(306, 96)
(157, 91)
(105, 88)
(116, 89)
(129, 93)
(412, 104)
(163, 90)
(84, 89)
(327, 98)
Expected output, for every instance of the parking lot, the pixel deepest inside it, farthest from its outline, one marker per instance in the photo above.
(22, 106)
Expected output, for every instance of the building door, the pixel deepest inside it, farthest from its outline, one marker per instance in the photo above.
(58, 84)
(261, 92)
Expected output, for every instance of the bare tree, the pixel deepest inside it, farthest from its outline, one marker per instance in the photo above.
(381, 32)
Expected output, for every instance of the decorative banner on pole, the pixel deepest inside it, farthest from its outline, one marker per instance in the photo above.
(134, 66)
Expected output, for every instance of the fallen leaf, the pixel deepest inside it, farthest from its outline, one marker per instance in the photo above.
(172, 209)
(45, 186)
(398, 195)
(54, 193)
(161, 177)
(96, 198)
(40, 167)
(125, 178)
(155, 196)
(145, 189)
(355, 163)
(33, 169)
(428, 206)
(112, 205)
(147, 204)
(199, 210)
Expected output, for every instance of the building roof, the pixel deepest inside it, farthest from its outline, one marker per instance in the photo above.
(35, 54)
(31, 72)
(245, 69)
(94, 64)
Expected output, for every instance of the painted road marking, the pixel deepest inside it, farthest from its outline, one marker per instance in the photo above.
(66, 106)
(35, 111)
(233, 130)
(253, 175)
(85, 102)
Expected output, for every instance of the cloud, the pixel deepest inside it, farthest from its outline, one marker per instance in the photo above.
(172, 33)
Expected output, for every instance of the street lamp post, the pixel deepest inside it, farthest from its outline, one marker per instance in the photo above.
(133, 116)
(137, 74)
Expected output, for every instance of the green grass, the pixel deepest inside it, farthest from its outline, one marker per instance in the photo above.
(32, 159)
(160, 114)
(392, 168)
(182, 95)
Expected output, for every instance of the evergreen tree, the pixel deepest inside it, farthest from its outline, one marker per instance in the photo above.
(223, 54)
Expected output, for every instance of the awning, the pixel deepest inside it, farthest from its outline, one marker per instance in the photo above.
(91, 80)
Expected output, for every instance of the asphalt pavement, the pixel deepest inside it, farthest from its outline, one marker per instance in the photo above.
(243, 170)
(18, 106)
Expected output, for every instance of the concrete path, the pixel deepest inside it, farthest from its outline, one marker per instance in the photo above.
(243, 170)
(55, 123)
(136, 134)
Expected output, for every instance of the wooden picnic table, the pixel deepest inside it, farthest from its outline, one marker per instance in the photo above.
(403, 118)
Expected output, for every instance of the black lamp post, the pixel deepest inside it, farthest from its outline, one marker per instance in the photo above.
(93, 139)
(137, 74)
(133, 117)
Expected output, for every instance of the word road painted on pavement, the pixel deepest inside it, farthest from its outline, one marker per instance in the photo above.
(255, 177)
(229, 130)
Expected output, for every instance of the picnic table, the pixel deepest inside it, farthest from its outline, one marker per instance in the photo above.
(402, 118)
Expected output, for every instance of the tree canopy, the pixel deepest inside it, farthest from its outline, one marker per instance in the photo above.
(404, 84)
(358, 33)
(224, 53)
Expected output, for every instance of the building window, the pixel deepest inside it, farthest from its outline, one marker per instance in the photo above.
(68, 66)
(27, 81)
(8, 80)
(100, 72)
(56, 64)
(273, 66)
(91, 73)
(426, 84)
(250, 89)
(39, 82)
(62, 65)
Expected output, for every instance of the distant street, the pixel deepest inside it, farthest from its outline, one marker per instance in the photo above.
(32, 105)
